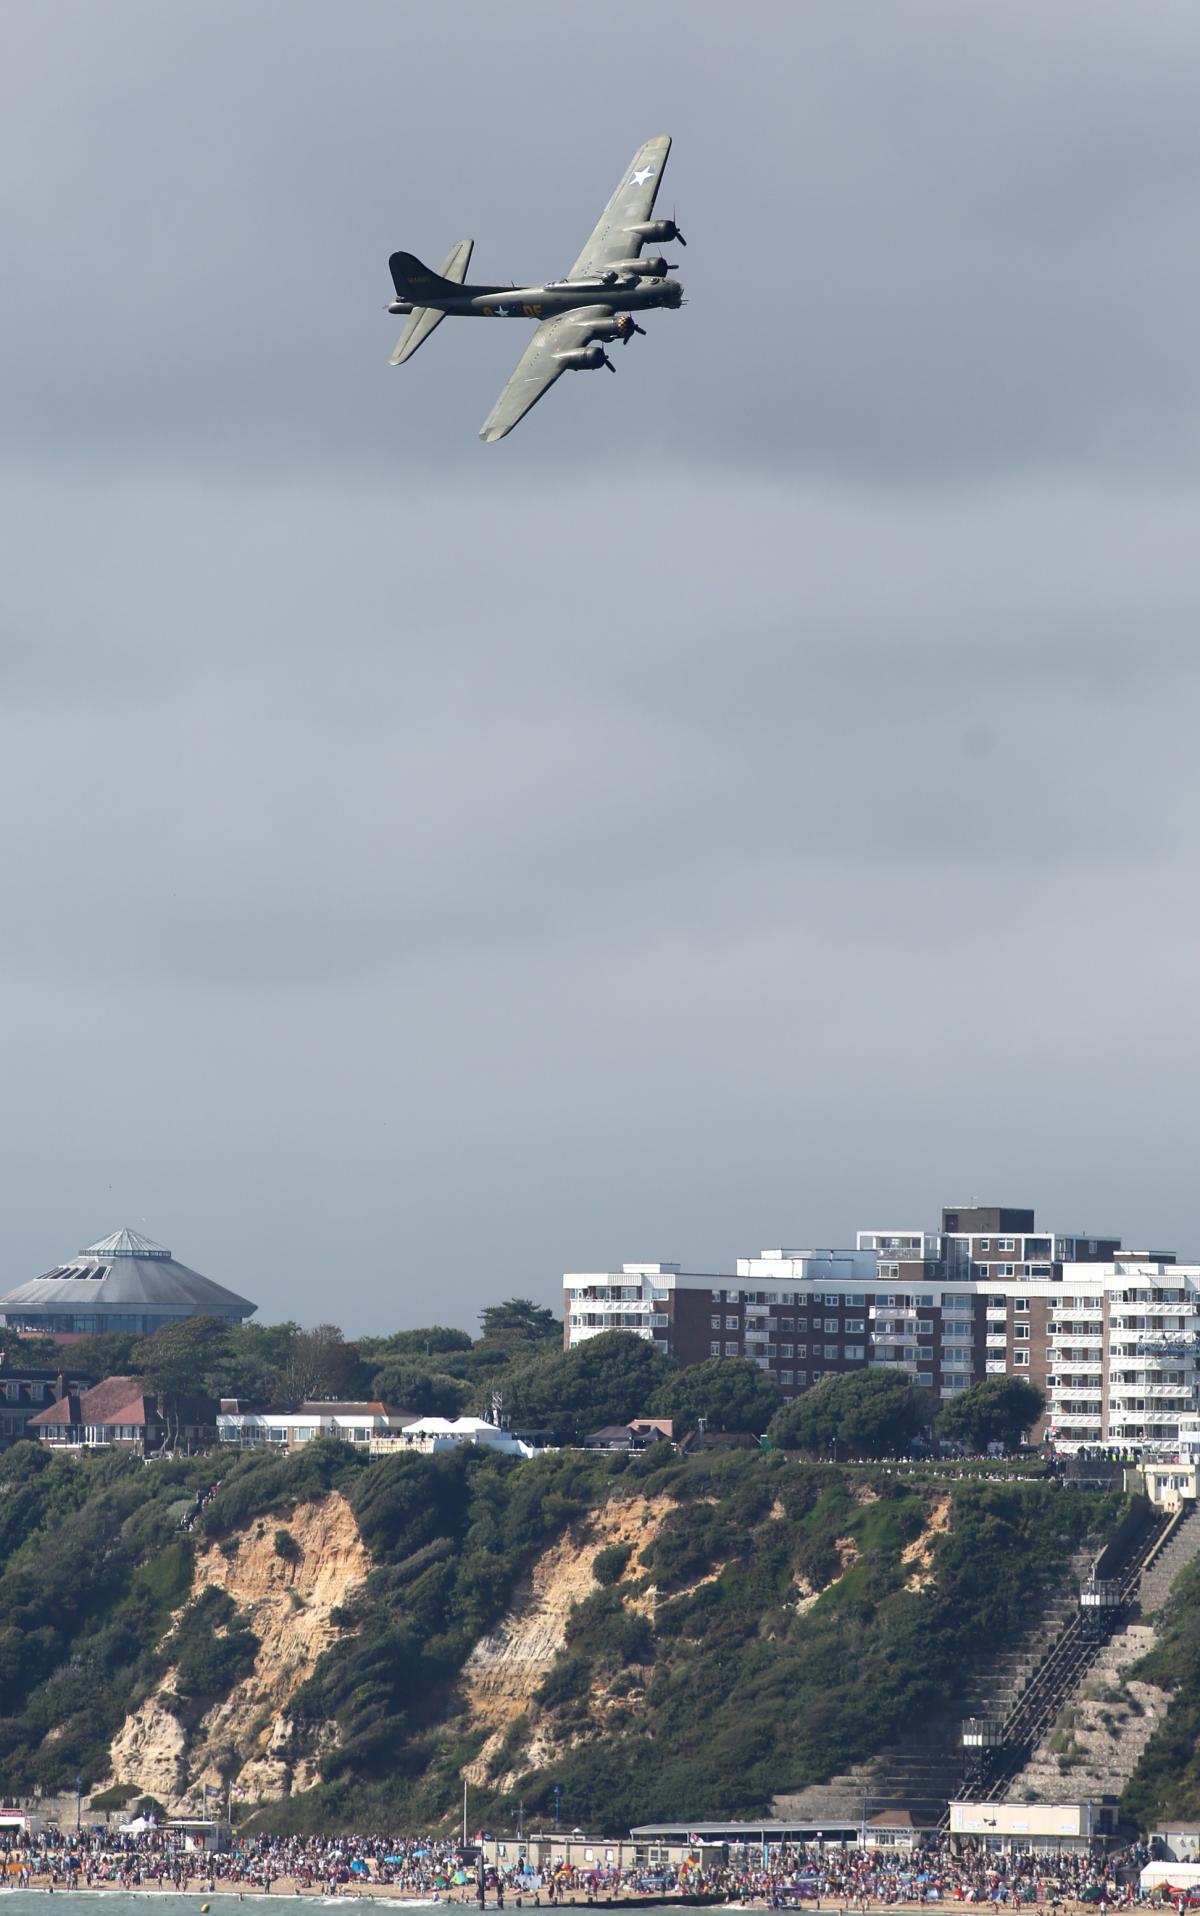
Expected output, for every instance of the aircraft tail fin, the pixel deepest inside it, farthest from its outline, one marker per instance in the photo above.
(411, 279)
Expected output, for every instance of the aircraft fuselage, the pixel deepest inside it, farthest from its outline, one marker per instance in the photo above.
(631, 292)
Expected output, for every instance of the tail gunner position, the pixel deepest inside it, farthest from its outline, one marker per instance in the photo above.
(610, 282)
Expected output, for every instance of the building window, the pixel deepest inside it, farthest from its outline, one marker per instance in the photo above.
(786, 1324)
(1021, 1331)
(715, 1323)
(785, 1350)
(855, 1300)
(731, 1323)
(985, 1243)
(718, 1297)
(832, 1301)
(831, 1351)
(856, 1324)
(802, 1377)
(802, 1350)
(983, 1270)
(1021, 1360)
(1020, 1304)
(714, 1350)
(831, 1325)
(817, 1376)
(924, 1327)
(1006, 1244)
(731, 1350)
(856, 1351)
(802, 1323)
(925, 1356)
(785, 1376)
(924, 1377)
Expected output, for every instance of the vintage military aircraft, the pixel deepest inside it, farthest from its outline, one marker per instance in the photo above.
(578, 314)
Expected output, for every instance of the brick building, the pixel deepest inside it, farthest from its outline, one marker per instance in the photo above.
(1110, 1335)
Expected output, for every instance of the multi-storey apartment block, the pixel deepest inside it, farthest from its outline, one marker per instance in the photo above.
(1111, 1336)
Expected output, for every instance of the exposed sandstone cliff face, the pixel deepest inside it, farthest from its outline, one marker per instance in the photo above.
(919, 1553)
(288, 1605)
(507, 1668)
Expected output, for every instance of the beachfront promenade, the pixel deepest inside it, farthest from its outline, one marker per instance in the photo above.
(434, 1869)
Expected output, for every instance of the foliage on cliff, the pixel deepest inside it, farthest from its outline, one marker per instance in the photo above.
(777, 1627)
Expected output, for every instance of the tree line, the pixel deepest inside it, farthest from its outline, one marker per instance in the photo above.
(518, 1356)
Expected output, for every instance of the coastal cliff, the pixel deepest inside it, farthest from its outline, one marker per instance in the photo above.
(334, 1638)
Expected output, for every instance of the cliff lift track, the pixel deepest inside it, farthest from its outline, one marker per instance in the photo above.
(1058, 1675)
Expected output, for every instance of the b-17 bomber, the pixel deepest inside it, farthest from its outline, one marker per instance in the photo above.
(578, 316)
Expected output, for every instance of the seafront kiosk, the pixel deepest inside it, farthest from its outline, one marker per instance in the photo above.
(15, 1822)
(208, 1834)
(1053, 1828)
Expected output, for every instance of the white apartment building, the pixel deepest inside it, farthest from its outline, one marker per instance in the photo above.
(1111, 1336)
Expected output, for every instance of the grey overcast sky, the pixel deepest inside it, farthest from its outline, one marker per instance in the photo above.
(757, 800)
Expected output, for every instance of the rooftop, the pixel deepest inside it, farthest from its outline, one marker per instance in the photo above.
(124, 1271)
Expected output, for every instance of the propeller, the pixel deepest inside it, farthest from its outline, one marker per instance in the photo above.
(629, 327)
(606, 361)
(678, 234)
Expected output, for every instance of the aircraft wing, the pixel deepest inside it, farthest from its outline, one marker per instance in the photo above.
(538, 367)
(632, 203)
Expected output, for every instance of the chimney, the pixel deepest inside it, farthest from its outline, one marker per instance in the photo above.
(60, 1387)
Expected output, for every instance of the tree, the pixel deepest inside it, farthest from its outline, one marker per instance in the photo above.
(184, 1357)
(609, 1379)
(998, 1410)
(107, 1354)
(863, 1413)
(319, 1363)
(728, 1393)
(433, 1340)
(427, 1393)
(520, 1321)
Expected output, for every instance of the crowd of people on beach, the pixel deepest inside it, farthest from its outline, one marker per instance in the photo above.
(435, 1869)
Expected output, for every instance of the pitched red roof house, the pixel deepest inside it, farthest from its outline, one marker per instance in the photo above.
(121, 1411)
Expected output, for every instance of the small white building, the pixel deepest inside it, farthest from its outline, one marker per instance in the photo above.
(430, 1434)
(292, 1429)
(1176, 1843)
(1050, 1827)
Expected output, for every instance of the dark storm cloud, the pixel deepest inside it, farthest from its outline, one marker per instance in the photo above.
(755, 801)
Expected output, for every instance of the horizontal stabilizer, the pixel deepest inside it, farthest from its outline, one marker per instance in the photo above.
(424, 318)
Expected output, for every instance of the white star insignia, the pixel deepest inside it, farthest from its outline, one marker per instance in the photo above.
(643, 174)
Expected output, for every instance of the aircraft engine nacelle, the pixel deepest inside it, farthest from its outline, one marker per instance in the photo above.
(584, 359)
(650, 266)
(662, 230)
(622, 326)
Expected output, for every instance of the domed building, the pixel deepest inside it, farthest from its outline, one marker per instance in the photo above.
(124, 1283)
